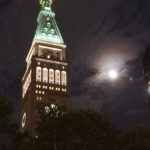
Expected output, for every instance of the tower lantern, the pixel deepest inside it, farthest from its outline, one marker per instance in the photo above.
(46, 79)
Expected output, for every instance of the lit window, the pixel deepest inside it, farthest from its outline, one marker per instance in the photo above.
(45, 75)
(36, 91)
(64, 90)
(63, 78)
(51, 76)
(39, 92)
(43, 92)
(48, 56)
(38, 74)
(38, 63)
(57, 77)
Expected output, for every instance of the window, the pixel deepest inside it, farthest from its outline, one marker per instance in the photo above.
(63, 78)
(45, 75)
(48, 56)
(51, 76)
(57, 77)
(27, 83)
(38, 74)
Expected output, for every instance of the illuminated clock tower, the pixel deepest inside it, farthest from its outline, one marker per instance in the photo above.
(46, 78)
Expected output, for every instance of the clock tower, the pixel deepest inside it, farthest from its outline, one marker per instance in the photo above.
(46, 79)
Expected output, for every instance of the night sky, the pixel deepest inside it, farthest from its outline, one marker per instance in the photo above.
(100, 35)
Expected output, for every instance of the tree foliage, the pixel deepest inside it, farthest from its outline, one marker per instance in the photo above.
(58, 129)
(77, 129)
(6, 125)
(137, 139)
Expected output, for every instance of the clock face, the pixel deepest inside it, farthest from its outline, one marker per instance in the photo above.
(47, 108)
(24, 117)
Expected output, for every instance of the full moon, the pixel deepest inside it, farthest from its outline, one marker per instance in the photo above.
(113, 74)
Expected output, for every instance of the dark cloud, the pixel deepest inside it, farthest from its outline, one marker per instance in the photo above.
(116, 24)
(5, 3)
(126, 97)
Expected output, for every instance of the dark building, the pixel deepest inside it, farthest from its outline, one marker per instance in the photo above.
(146, 62)
(46, 78)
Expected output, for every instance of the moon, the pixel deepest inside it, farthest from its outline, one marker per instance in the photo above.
(113, 74)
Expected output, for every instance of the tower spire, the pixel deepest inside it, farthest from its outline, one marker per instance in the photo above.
(47, 29)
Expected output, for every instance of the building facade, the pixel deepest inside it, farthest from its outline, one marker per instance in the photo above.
(46, 79)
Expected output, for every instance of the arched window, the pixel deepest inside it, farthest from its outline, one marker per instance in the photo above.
(45, 75)
(57, 77)
(27, 84)
(63, 78)
(51, 76)
(38, 74)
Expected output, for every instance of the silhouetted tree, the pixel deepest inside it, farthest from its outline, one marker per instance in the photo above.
(6, 125)
(58, 129)
(77, 129)
(137, 139)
